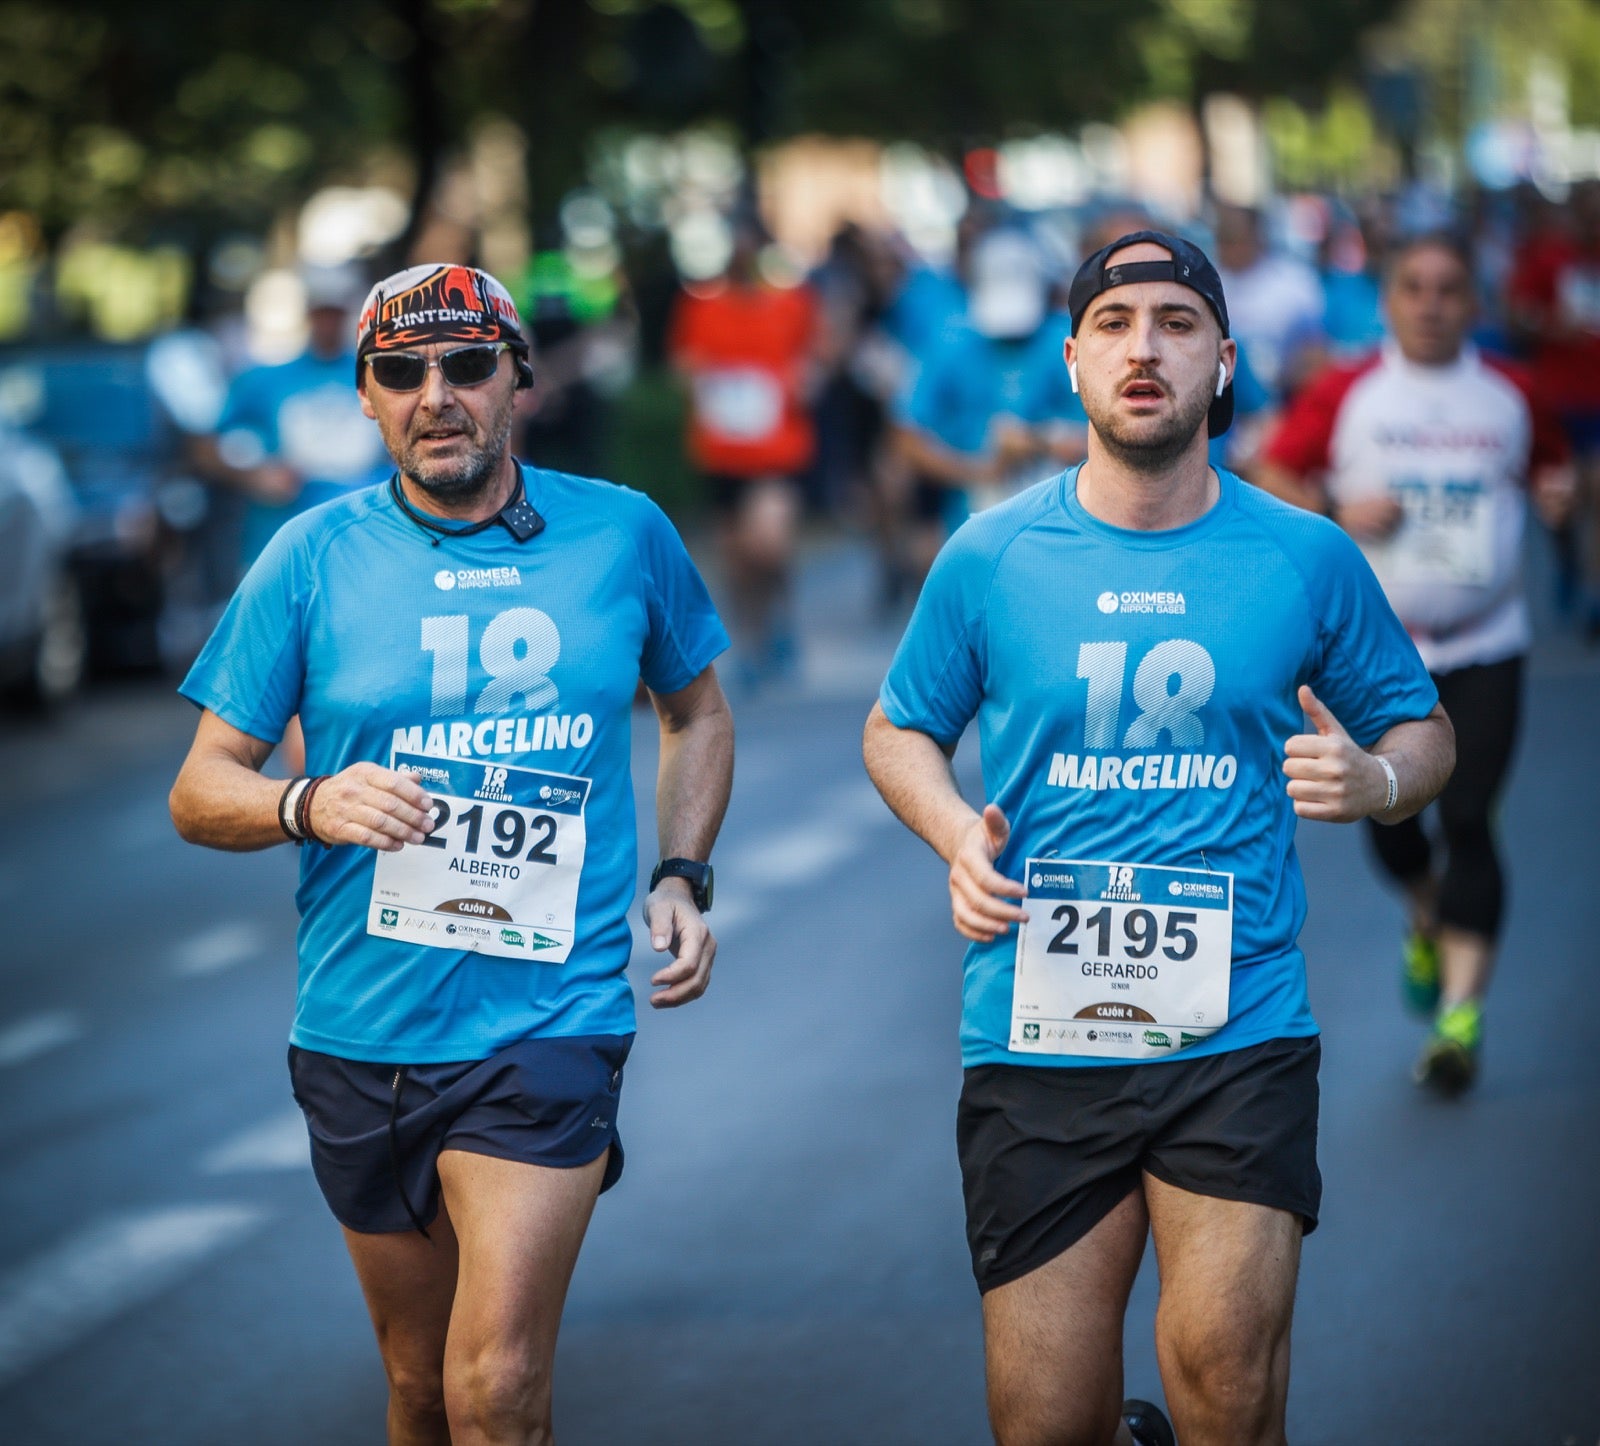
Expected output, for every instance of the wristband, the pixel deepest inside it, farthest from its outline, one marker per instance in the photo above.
(302, 809)
(1394, 783)
(288, 803)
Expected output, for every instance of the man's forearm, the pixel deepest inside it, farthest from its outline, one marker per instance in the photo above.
(1423, 755)
(914, 775)
(222, 804)
(693, 781)
(944, 464)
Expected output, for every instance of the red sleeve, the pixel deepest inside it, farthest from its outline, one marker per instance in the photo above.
(685, 330)
(1532, 283)
(1548, 445)
(806, 319)
(1303, 438)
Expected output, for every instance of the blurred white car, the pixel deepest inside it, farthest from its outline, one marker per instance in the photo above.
(43, 643)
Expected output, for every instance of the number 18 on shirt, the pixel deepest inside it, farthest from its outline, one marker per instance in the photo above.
(1122, 959)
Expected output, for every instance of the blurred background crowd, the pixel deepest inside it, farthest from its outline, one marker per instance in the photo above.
(791, 266)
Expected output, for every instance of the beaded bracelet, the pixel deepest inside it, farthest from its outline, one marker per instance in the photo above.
(302, 811)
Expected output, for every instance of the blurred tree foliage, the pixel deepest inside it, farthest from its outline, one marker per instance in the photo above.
(186, 118)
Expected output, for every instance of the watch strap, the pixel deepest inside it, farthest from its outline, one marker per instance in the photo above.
(695, 871)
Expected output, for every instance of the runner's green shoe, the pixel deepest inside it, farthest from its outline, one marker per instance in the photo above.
(1449, 1060)
(1419, 972)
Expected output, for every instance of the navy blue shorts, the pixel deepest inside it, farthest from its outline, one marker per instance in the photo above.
(377, 1129)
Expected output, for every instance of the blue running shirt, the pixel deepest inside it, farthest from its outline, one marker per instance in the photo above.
(482, 649)
(305, 414)
(970, 379)
(1091, 655)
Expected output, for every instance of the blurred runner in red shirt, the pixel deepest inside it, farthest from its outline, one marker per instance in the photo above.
(1555, 303)
(747, 349)
(1425, 453)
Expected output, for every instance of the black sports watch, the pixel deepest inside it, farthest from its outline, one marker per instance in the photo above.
(699, 875)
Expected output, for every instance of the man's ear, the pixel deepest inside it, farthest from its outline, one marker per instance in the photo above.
(366, 403)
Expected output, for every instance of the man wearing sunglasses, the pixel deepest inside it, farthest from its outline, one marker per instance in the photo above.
(463, 645)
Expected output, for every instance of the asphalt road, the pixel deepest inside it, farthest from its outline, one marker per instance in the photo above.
(783, 1262)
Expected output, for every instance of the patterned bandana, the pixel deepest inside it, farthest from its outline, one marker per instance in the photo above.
(435, 302)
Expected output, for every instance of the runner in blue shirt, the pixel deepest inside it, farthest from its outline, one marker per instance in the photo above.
(1140, 640)
(991, 398)
(463, 646)
(292, 434)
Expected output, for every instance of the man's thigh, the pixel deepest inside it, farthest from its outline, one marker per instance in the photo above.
(1228, 1272)
(409, 1285)
(1053, 1337)
(520, 1227)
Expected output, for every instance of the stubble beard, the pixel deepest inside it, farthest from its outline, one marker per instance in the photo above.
(1150, 449)
(464, 479)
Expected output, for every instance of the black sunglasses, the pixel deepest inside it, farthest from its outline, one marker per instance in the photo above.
(466, 366)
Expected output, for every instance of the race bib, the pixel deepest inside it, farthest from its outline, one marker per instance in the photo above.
(1131, 960)
(742, 404)
(498, 874)
(1447, 534)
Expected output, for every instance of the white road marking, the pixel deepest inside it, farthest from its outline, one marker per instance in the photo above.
(59, 1296)
(800, 855)
(37, 1034)
(278, 1143)
(726, 919)
(224, 947)
(858, 805)
(786, 858)
(796, 856)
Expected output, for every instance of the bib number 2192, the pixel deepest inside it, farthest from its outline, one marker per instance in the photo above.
(498, 874)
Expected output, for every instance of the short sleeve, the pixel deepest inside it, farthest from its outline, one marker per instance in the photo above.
(252, 669)
(1303, 439)
(1368, 670)
(1548, 444)
(244, 407)
(684, 634)
(926, 402)
(683, 331)
(935, 682)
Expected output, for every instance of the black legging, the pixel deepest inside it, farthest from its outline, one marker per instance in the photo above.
(1483, 703)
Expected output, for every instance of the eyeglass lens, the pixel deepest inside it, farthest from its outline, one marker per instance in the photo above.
(466, 366)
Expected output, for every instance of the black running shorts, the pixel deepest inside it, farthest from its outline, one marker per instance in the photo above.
(377, 1129)
(1048, 1152)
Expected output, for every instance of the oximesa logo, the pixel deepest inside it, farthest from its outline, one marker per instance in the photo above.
(444, 579)
(1106, 602)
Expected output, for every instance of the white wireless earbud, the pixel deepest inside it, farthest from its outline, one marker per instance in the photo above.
(1222, 377)
(1072, 374)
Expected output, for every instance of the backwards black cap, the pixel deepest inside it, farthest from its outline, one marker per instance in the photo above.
(1189, 267)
